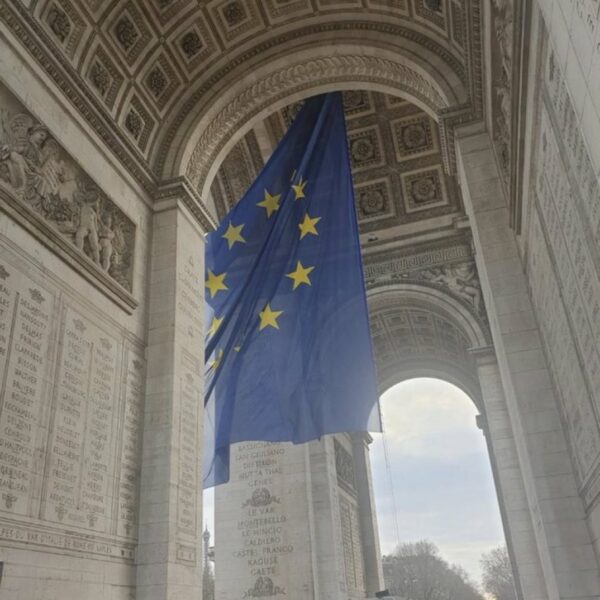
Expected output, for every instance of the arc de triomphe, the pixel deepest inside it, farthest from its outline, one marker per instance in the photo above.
(128, 127)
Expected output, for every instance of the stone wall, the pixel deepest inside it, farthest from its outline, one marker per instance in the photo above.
(73, 248)
(297, 521)
(562, 237)
(263, 530)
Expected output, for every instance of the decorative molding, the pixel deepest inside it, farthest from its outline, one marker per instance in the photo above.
(385, 265)
(520, 101)
(89, 99)
(502, 57)
(34, 37)
(59, 541)
(180, 188)
(294, 78)
(455, 65)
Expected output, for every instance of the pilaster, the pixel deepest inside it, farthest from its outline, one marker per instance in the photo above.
(551, 496)
(367, 514)
(495, 424)
(168, 557)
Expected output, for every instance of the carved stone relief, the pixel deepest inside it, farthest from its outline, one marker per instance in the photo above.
(502, 59)
(344, 466)
(237, 172)
(191, 35)
(459, 277)
(41, 176)
(263, 588)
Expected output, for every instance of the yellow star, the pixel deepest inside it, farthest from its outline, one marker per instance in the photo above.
(237, 348)
(299, 189)
(268, 317)
(234, 234)
(214, 326)
(270, 203)
(218, 358)
(300, 275)
(308, 225)
(215, 283)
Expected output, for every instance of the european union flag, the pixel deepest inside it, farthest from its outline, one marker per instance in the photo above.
(288, 348)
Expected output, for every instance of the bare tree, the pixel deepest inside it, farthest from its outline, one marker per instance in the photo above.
(416, 571)
(497, 575)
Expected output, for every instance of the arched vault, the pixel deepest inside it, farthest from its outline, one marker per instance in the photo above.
(420, 331)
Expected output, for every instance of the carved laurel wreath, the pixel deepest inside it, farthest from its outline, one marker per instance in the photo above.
(291, 79)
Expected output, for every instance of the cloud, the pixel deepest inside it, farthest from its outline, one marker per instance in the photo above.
(443, 488)
(422, 414)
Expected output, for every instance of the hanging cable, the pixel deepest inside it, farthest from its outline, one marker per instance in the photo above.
(388, 468)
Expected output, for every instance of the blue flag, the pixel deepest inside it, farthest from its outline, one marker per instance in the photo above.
(288, 345)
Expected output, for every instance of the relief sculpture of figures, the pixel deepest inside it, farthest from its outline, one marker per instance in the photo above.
(460, 279)
(88, 223)
(41, 176)
(503, 25)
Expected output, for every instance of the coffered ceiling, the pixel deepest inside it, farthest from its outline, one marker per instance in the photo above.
(397, 164)
(136, 69)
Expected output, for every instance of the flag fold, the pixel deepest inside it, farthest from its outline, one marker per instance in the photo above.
(288, 348)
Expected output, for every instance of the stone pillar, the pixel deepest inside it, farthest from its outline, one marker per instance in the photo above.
(168, 556)
(263, 533)
(297, 521)
(332, 572)
(552, 499)
(367, 514)
(510, 487)
(346, 539)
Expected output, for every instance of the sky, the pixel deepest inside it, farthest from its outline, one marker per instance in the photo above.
(440, 471)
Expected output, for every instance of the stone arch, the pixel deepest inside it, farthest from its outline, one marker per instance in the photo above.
(420, 331)
(208, 125)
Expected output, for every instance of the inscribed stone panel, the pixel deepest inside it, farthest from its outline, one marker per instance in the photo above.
(564, 266)
(573, 151)
(26, 311)
(262, 535)
(352, 546)
(71, 407)
(189, 434)
(79, 477)
(131, 444)
(577, 409)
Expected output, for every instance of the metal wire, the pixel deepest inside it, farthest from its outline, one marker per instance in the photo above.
(390, 481)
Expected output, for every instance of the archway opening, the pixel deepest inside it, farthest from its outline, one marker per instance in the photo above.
(432, 475)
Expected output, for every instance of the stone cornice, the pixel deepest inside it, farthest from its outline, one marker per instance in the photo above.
(419, 256)
(180, 189)
(520, 102)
